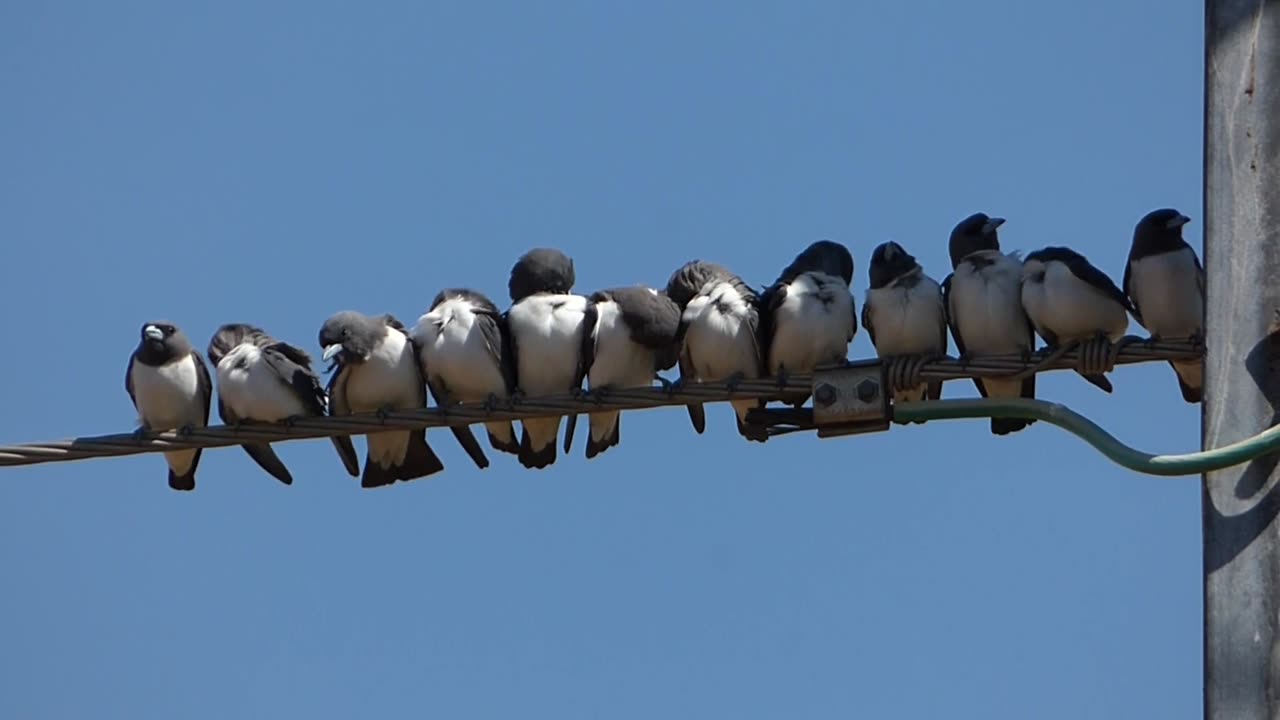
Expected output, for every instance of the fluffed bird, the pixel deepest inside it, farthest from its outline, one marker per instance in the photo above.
(1164, 279)
(628, 337)
(717, 339)
(261, 379)
(466, 356)
(170, 387)
(545, 323)
(807, 316)
(904, 315)
(1070, 300)
(983, 299)
(376, 370)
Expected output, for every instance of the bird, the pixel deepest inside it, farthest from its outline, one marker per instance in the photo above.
(628, 337)
(807, 316)
(465, 355)
(545, 322)
(1165, 281)
(170, 387)
(717, 339)
(1070, 300)
(375, 369)
(903, 314)
(983, 300)
(261, 379)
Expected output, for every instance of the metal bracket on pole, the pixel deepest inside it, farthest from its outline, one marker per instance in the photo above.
(850, 399)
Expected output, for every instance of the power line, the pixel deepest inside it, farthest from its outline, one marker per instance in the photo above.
(1130, 350)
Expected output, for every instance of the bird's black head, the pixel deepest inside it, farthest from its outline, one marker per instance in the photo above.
(974, 234)
(1159, 231)
(824, 256)
(689, 279)
(161, 342)
(350, 336)
(889, 261)
(541, 270)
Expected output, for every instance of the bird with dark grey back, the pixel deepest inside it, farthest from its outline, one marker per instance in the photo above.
(261, 379)
(807, 317)
(717, 339)
(170, 387)
(375, 369)
(982, 297)
(1070, 300)
(545, 325)
(1164, 279)
(628, 337)
(904, 315)
(465, 354)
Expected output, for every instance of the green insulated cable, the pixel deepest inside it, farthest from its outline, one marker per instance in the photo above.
(1073, 422)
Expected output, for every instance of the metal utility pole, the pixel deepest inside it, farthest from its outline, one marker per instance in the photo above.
(1242, 365)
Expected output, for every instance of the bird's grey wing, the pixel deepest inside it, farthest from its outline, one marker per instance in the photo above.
(1086, 271)
(853, 318)
(204, 383)
(652, 319)
(128, 379)
(293, 366)
(338, 406)
(770, 301)
(1127, 284)
(391, 321)
(866, 321)
(586, 357)
(512, 365)
(493, 332)
(697, 413)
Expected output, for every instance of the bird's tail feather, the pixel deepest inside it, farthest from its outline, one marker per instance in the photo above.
(269, 461)
(468, 442)
(502, 437)
(543, 456)
(1190, 379)
(611, 436)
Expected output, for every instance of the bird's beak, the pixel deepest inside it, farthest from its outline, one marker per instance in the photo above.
(991, 225)
(1178, 222)
(332, 350)
(153, 333)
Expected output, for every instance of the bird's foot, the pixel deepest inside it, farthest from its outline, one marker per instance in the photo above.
(291, 421)
(141, 433)
(668, 386)
(783, 377)
(517, 397)
(491, 403)
(732, 382)
(599, 394)
(186, 430)
(578, 393)
(383, 413)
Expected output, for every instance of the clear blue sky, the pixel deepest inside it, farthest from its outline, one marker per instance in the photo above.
(273, 163)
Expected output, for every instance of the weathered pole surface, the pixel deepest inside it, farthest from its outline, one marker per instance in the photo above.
(1242, 381)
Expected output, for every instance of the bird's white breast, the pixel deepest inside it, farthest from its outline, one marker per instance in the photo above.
(168, 396)
(252, 390)
(1166, 289)
(908, 320)
(455, 351)
(548, 333)
(987, 307)
(1069, 307)
(618, 362)
(717, 335)
(813, 324)
(387, 378)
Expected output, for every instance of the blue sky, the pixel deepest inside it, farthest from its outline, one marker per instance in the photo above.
(274, 163)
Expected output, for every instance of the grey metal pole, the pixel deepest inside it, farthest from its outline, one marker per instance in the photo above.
(1242, 380)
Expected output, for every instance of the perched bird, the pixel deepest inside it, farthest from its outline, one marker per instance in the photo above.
(628, 337)
(1165, 281)
(717, 337)
(1070, 300)
(807, 316)
(545, 323)
(261, 379)
(904, 315)
(983, 299)
(169, 385)
(466, 357)
(376, 370)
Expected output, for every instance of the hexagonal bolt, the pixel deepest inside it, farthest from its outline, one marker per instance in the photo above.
(867, 390)
(825, 394)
